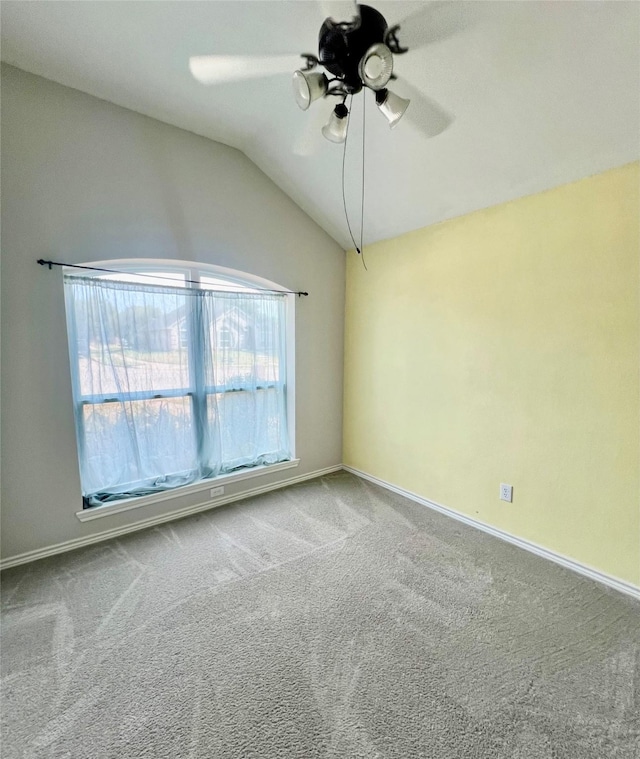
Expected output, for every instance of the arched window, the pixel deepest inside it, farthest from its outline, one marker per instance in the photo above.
(181, 372)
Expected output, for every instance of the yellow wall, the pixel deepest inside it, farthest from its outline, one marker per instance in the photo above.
(503, 346)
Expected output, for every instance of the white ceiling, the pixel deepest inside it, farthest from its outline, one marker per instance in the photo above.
(542, 93)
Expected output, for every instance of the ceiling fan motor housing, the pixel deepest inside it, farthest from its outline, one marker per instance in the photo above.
(341, 51)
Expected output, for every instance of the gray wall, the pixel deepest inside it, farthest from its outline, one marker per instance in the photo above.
(82, 180)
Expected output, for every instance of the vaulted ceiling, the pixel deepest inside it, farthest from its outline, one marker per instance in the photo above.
(541, 93)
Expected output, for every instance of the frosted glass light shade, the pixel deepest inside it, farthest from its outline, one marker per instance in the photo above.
(376, 66)
(308, 87)
(391, 106)
(335, 130)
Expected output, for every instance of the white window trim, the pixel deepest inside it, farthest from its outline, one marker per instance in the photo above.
(109, 509)
(191, 268)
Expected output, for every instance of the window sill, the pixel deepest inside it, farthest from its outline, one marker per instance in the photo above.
(97, 512)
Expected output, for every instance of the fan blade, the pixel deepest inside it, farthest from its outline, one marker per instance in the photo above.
(437, 21)
(341, 11)
(423, 112)
(216, 69)
(309, 140)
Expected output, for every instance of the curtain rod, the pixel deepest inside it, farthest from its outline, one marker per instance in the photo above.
(42, 262)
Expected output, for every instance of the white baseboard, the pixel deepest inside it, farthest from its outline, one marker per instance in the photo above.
(70, 545)
(613, 582)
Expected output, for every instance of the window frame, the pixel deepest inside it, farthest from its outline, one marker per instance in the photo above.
(192, 271)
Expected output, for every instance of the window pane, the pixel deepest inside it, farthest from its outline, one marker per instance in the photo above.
(137, 442)
(215, 283)
(245, 341)
(131, 341)
(251, 427)
(148, 278)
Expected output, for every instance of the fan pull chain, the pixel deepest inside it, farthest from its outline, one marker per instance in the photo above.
(364, 121)
(344, 199)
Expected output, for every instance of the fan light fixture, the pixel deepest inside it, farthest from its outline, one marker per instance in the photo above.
(335, 129)
(376, 67)
(356, 54)
(391, 106)
(308, 87)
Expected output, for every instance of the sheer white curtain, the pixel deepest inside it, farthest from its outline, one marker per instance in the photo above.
(173, 384)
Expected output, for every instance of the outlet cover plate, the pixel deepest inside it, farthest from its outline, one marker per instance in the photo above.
(217, 491)
(506, 492)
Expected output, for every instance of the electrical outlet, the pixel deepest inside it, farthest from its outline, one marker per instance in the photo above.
(506, 492)
(216, 491)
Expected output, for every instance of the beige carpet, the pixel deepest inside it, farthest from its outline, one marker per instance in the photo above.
(331, 619)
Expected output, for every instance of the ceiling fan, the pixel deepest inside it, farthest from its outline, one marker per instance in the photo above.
(356, 47)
